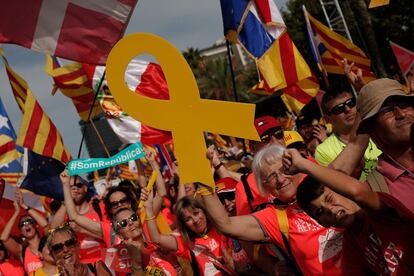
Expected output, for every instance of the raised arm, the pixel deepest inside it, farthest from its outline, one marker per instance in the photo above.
(241, 227)
(82, 221)
(339, 182)
(349, 159)
(38, 217)
(160, 183)
(11, 245)
(166, 241)
(59, 217)
(220, 169)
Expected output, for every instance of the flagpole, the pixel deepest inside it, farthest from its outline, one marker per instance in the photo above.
(100, 138)
(90, 112)
(233, 80)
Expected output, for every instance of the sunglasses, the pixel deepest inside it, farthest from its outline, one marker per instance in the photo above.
(229, 196)
(340, 108)
(278, 134)
(26, 222)
(124, 223)
(57, 248)
(116, 204)
(389, 109)
(78, 185)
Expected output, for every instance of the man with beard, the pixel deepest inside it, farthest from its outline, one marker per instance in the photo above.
(339, 108)
(90, 243)
(387, 115)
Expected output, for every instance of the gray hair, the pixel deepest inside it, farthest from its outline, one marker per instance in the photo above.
(263, 159)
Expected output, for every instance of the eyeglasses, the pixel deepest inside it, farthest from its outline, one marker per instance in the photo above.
(57, 248)
(26, 222)
(340, 108)
(387, 110)
(78, 185)
(230, 196)
(278, 134)
(116, 204)
(124, 223)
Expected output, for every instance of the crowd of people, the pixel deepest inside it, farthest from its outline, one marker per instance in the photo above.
(323, 199)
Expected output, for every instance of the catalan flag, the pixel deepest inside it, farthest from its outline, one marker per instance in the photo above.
(333, 48)
(73, 82)
(258, 26)
(11, 172)
(37, 132)
(8, 149)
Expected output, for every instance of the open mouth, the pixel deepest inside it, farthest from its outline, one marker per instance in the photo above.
(340, 214)
(67, 257)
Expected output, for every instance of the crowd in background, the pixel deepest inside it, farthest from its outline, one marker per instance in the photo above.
(332, 197)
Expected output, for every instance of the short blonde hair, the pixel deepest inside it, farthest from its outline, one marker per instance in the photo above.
(61, 229)
(263, 159)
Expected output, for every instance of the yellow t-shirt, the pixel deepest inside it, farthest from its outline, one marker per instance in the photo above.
(40, 272)
(330, 148)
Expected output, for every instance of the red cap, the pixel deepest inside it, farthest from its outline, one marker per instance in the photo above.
(226, 185)
(265, 123)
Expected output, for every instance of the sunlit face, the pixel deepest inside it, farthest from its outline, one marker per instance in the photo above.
(273, 136)
(189, 189)
(393, 123)
(27, 226)
(277, 183)
(78, 190)
(118, 200)
(333, 210)
(195, 220)
(128, 225)
(345, 119)
(65, 248)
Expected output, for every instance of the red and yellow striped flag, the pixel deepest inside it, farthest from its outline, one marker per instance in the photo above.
(73, 82)
(282, 65)
(333, 48)
(37, 132)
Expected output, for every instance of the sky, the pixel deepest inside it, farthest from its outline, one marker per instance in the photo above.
(184, 23)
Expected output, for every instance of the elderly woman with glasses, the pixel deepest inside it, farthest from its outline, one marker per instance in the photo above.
(311, 248)
(64, 247)
(125, 239)
(28, 226)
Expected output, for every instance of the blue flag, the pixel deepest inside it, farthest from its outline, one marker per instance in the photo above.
(43, 176)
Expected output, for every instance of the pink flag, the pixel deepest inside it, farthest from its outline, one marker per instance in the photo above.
(404, 57)
(80, 30)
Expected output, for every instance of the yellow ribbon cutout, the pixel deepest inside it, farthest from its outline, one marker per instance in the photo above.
(185, 114)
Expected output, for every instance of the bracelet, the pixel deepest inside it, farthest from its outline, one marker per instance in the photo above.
(218, 166)
(28, 208)
(151, 218)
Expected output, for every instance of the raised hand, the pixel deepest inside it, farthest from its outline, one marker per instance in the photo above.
(355, 79)
(319, 132)
(293, 162)
(147, 197)
(65, 178)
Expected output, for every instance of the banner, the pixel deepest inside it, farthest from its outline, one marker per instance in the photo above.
(84, 165)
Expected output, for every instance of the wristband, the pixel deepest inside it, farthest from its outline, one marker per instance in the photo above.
(151, 218)
(218, 166)
(27, 209)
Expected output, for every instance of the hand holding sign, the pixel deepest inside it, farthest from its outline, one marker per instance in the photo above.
(185, 114)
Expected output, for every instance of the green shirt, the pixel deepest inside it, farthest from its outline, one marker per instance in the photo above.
(330, 148)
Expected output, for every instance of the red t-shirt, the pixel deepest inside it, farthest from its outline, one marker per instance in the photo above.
(242, 205)
(11, 267)
(384, 243)
(90, 247)
(206, 249)
(31, 261)
(317, 250)
(117, 258)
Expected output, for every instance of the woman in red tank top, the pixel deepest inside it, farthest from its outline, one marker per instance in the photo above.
(28, 224)
(9, 266)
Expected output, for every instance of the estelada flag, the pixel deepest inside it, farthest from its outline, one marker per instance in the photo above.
(80, 30)
(404, 57)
